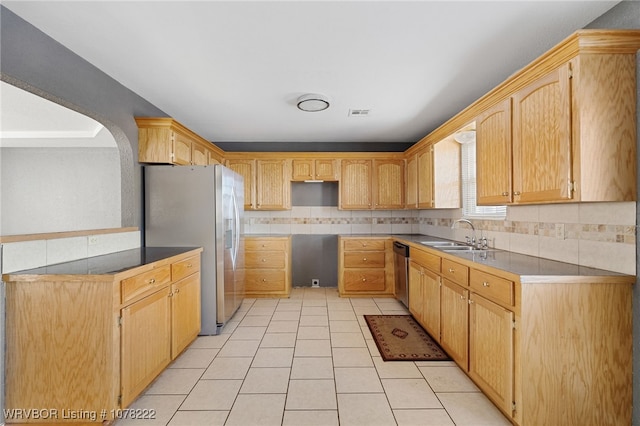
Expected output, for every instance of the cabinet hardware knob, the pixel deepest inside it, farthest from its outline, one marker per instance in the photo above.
(516, 193)
(189, 265)
(461, 297)
(170, 294)
(364, 259)
(264, 260)
(177, 291)
(264, 280)
(364, 279)
(451, 270)
(485, 284)
(152, 280)
(505, 194)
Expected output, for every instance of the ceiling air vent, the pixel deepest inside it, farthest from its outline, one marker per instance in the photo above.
(359, 112)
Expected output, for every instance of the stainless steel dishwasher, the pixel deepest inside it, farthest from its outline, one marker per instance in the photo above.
(401, 270)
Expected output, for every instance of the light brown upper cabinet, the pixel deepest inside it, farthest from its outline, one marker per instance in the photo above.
(493, 155)
(433, 176)
(310, 169)
(388, 184)
(246, 169)
(567, 136)
(542, 139)
(273, 190)
(266, 183)
(165, 141)
(372, 184)
(355, 184)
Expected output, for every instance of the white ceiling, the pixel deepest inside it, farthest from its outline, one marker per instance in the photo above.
(27, 120)
(232, 70)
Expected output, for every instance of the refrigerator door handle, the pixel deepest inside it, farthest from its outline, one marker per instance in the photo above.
(236, 228)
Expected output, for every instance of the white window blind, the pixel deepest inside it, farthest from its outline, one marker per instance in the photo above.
(469, 207)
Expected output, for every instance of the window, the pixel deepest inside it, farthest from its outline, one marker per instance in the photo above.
(469, 207)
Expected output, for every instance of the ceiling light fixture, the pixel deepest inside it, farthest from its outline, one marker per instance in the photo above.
(465, 137)
(312, 102)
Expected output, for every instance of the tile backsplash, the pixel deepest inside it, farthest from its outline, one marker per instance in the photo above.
(598, 235)
(17, 256)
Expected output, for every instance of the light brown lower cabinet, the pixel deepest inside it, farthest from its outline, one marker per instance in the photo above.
(365, 267)
(545, 349)
(454, 331)
(491, 360)
(86, 342)
(146, 342)
(267, 266)
(424, 298)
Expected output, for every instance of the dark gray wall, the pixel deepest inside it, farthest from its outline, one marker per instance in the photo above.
(314, 146)
(33, 61)
(314, 194)
(314, 256)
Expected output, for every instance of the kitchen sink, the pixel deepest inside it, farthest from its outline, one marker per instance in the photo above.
(454, 247)
(462, 249)
(443, 244)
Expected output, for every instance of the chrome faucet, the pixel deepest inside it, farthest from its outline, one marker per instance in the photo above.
(471, 241)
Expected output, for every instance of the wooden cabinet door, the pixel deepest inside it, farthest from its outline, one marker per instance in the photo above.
(411, 195)
(305, 169)
(302, 170)
(185, 313)
(493, 155)
(431, 308)
(542, 139)
(355, 184)
(181, 149)
(491, 350)
(325, 169)
(454, 325)
(199, 155)
(273, 191)
(146, 343)
(388, 184)
(447, 177)
(425, 178)
(416, 292)
(246, 169)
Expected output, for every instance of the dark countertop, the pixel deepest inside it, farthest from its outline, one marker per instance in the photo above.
(108, 264)
(515, 263)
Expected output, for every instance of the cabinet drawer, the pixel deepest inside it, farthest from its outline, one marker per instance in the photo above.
(264, 259)
(134, 286)
(264, 280)
(494, 288)
(455, 272)
(184, 268)
(428, 260)
(364, 280)
(264, 244)
(363, 244)
(364, 260)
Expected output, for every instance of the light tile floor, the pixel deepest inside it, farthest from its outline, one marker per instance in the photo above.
(309, 360)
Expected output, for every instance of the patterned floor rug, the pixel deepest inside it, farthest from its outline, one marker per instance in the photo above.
(401, 338)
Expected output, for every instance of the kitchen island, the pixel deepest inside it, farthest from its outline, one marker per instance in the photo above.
(84, 338)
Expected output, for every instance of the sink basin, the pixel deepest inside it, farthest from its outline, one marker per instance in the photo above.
(462, 249)
(442, 244)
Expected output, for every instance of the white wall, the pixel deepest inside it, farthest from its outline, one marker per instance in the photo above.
(59, 189)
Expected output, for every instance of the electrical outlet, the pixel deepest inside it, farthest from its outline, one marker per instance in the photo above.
(315, 282)
(93, 240)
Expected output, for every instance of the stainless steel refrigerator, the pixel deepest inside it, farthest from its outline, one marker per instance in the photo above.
(201, 206)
